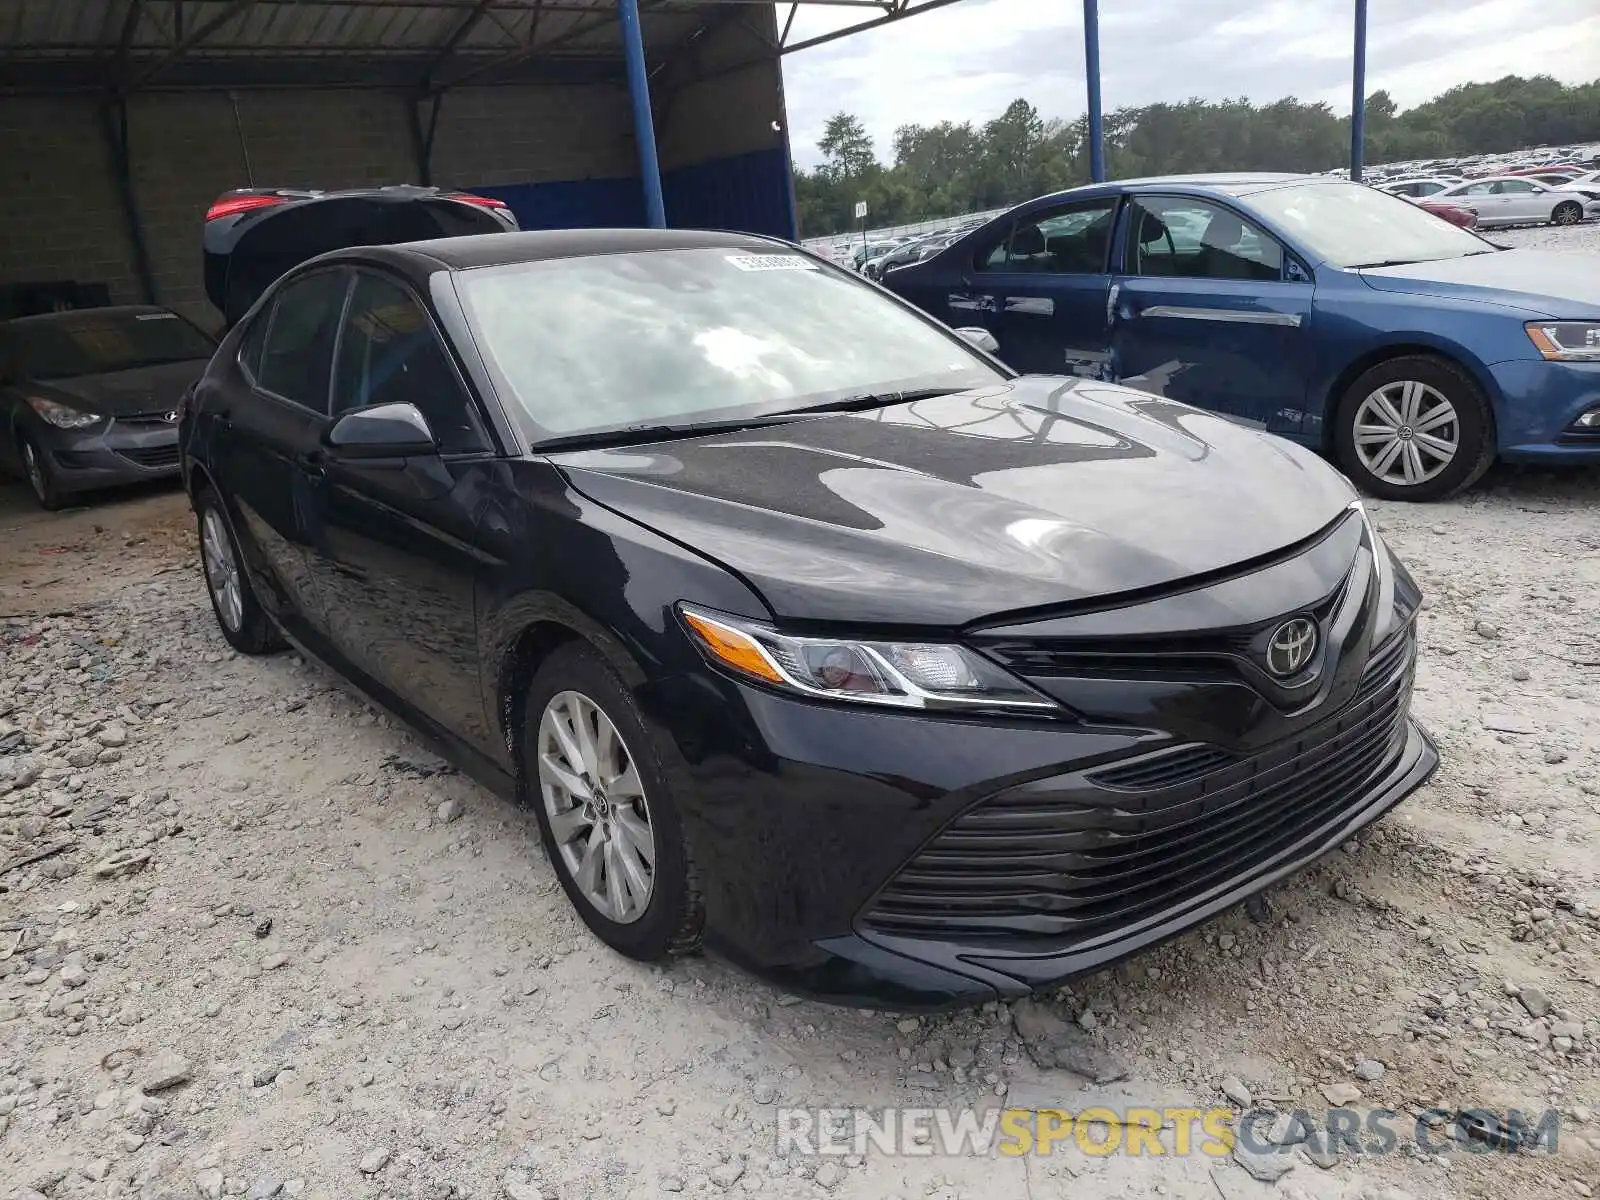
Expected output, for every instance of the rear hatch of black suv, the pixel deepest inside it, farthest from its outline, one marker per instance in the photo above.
(254, 235)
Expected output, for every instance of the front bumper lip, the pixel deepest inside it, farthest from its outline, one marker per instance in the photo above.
(870, 967)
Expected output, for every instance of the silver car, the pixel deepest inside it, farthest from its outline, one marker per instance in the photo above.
(1518, 200)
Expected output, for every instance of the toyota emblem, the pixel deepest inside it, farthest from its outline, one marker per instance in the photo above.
(1292, 645)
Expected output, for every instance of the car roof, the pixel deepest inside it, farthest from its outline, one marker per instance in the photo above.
(68, 315)
(1232, 183)
(502, 249)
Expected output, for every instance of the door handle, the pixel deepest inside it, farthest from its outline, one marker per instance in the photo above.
(1111, 302)
(313, 463)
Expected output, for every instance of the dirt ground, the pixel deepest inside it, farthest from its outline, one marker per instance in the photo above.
(257, 950)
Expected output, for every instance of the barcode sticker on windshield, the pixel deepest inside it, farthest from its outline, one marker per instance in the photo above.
(771, 262)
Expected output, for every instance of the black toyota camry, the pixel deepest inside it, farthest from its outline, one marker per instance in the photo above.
(807, 629)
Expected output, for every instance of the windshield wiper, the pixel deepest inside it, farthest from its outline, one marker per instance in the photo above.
(633, 435)
(1388, 262)
(867, 400)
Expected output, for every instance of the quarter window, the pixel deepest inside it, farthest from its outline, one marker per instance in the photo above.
(1193, 239)
(1064, 241)
(390, 354)
(297, 355)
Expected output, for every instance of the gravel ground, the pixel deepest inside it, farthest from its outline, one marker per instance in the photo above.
(267, 945)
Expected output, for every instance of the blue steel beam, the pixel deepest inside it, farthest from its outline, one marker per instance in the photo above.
(1091, 75)
(644, 127)
(1358, 94)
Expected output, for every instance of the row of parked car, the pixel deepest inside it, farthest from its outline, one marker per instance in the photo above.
(1528, 195)
(765, 586)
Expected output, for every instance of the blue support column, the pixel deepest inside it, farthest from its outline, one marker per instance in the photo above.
(1091, 73)
(1358, 94)
(644, 128)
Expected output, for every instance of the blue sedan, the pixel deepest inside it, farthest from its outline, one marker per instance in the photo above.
(1412, 351)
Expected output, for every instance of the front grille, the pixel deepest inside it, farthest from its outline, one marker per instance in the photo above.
(1063, 858)
(152, 456)
(1166, 769)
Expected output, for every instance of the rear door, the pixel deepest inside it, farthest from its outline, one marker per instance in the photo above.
(1043, 289)
(267, 440)
(1211, 310)
(399, 561)
(1482, 198)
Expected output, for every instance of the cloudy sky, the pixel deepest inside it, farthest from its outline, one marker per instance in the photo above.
(969, 60)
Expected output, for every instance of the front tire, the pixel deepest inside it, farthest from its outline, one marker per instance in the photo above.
(608, 820)
(1414, 428)
(240, 616)
(41, 479)
(1568, 212)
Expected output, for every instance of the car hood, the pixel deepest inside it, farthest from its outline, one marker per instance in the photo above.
(143, 390)
(1545, 282)
(1040, 492)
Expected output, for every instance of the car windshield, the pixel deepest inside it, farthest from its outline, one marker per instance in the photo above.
(1351, 225)
(97, 343)
(684, 336)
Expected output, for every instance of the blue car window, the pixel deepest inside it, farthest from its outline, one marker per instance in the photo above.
(1070, 240)
(1183, 238)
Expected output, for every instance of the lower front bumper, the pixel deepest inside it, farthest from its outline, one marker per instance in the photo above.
(871, 967)
(109, 457)
(1541, 402)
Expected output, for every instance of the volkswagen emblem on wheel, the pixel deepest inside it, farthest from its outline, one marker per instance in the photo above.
(1292, 645)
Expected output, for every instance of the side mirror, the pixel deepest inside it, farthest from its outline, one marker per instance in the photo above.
(382, 431)
(979, 337)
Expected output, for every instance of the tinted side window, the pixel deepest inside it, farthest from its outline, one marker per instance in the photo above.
(1515, 187)
(1194, 239)
(255, 335)
(1071, 240)
(297, 356)
(390, 354)
(1479, 189)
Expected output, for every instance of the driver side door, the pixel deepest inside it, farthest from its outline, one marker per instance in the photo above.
(398, 557)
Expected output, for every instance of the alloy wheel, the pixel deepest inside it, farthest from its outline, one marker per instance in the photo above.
(1406, 432)
(222, 569)
(1568, 213)
(595, 802)
(35, 471)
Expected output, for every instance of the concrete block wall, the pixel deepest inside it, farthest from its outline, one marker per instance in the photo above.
(60, 216)
(63, 219)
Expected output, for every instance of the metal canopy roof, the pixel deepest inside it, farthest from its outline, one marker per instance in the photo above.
(123, 46)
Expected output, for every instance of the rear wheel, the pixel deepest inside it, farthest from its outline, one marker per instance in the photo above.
(1568, 212)
(244, 624)
(41, 479)
(608, 821)
(1414, 428)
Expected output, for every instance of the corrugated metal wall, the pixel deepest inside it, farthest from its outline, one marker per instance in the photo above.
(746, 192)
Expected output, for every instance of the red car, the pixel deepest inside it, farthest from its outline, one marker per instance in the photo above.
(1454, 213)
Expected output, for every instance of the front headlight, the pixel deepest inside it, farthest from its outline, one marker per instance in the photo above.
(60, 415)
(927, 675)
(1566, 341)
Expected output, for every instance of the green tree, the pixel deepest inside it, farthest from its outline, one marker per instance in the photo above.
(947, 169)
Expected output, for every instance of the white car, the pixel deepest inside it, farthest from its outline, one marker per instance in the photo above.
(1517, 200)
(1589, 181)
(1416, 187)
